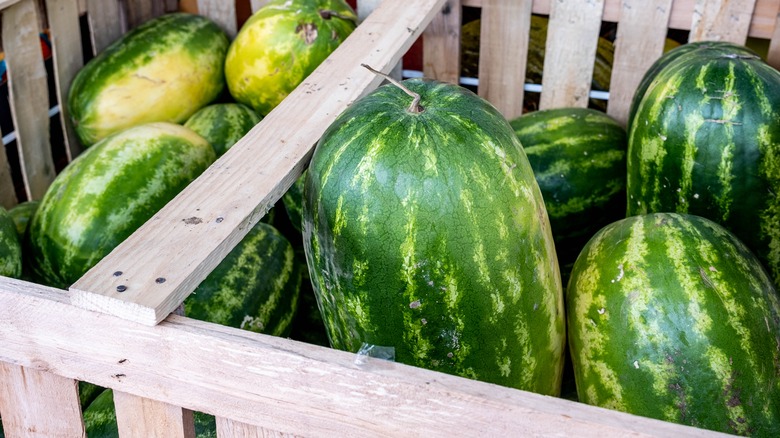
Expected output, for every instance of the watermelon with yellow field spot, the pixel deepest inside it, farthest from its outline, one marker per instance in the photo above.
(670, 316)
(425, 232)
(107, 192)
(162, 71)
(280, 45)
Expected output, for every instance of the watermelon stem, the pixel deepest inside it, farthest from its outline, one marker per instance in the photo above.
(415, 107)
(326, 14)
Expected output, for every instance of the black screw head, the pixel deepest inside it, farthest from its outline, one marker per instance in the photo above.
(121, 288)
(160, 280)
(117, 273)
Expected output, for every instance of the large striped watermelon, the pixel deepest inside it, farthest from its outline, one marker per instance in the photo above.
(10, 247)
(426, 232)
(670, 316)
(280, 45)
(162, 71)
(706, 141)
(223, 124)
(579, 160)
(109, 191)
(255, 287)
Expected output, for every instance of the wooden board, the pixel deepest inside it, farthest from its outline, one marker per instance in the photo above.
(221, 12)
(721, 20)
(364, 9)
(36, 403)
(773, 54)
(184, 241)
(68, 59)
(107, 23)
(282, 385)
(28, 93)
(145, 418)
(140, 11)
(257, 4)
(7, 192)
(441, 50)
(640, 39)
(227, 428)
(570, 51)
(504, 34)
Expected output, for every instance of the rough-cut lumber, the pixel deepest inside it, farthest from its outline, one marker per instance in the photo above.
(106, 21)
(279, 384)
(441, 48)
(163, 262)
(145, 418)
(721, 20)
(221, 12)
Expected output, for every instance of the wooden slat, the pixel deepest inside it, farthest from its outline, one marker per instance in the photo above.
(640, 39)
(283, 385)
(250, 177)
(570, 51)
(7, 191)
(441, 48)
(106, 21)
(257, 4)
(221, 12)
(504, 35)
(68, 59)
(145, 418)
(721, 20)
(773, 54)
(36, 403)
(29, 99)
(227, 428)
(141, 11)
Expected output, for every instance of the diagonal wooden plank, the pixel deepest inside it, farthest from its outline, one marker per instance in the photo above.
(29, 99)
(504, 35)
(174, 251)
(721, 20)
(572, 38)
(37, 403)
(640, 39)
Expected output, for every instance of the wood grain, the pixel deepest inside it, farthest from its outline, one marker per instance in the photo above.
(140, 11)
(773, 53)
(145, 418)
(36, 403)
(640, 39)
(68, 60)
(364, 9)
(227, 428)
(250, 177)
(441, 48)
(570, 51)
(28, 94)
(221, 12)
(106, 22)
(283, 385)
(721, 20)
(504, 34)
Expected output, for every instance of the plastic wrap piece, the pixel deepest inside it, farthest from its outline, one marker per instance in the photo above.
(375, 351)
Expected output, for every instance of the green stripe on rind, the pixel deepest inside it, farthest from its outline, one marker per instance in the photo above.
(671, 317)
(579, 160)
(223, 124)
(110, 190)
(280, 45)
(10, 247)
(457, 270)
(195, 45)
(255, 287)
(708, 143)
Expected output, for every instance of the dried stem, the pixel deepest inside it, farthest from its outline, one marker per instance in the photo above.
(415, 106)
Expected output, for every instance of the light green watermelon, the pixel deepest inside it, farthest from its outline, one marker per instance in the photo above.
(10, 247)
(223, 124)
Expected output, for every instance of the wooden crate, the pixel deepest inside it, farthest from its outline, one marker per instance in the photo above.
(163, 366)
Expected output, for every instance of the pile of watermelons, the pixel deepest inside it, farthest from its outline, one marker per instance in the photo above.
(500, 250)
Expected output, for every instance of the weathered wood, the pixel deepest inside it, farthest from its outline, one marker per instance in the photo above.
(68, 59)
(184, 241)
(221, 12)
(227, 428)
(36, 403)
(441, 48)
(145, 418)
(29, 98)
(572, 38)
(721, 20)
(140, 11)
(257, 4)
(282, 385)
(773, 54)
(640, 40)
(106, 21)
(504, 35)
(364, 9)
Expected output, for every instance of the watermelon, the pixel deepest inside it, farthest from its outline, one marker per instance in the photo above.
(671, 316)
(280, 45)
(100, 419)
(10, 247)
(579, 160)
(21, 214)
(706, 47)
(706, 141)
(255, 287)
(223, 124)
(425, 232)
(162, 71)
(109, 191)
(293, 202)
